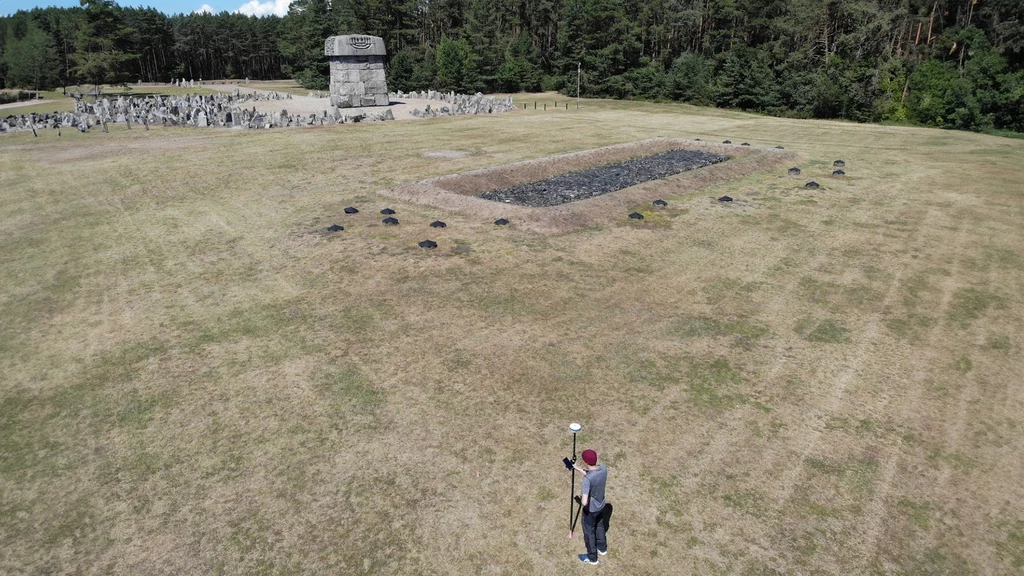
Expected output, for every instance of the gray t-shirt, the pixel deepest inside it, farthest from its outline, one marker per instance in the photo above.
(593, 485)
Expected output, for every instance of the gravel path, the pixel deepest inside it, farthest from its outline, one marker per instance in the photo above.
(591, 182)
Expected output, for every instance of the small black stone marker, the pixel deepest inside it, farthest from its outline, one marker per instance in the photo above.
(335, 228)
(727, 142)
(839, 164)
(812, 185)
(438, 224)
(389, 221)
(660, 203)
(838, 173)
(745, 144)
(351, 210)
(428, 244)
(725, 199)
(697, 140)
(636, 216)
(387, 211)
(501, 222)
(780, 147)
(794, 171)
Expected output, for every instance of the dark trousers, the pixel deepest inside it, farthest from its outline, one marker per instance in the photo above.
(595, 524)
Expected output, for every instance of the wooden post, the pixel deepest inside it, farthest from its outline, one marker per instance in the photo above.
(918, 37)
(931, 20)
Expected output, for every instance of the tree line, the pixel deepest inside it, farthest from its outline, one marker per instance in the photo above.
(948, 63)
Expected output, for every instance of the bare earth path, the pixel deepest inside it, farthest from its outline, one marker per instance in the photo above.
(198, 378)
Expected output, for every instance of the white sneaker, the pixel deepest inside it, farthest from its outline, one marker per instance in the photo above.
(602, 553)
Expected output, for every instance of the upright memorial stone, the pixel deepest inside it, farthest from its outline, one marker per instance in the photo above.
(357, 71)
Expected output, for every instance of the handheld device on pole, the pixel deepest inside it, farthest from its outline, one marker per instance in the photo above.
(575, 428)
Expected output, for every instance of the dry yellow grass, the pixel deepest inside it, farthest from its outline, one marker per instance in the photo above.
(197, 379)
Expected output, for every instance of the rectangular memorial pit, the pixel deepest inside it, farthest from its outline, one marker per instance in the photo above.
(647, 170)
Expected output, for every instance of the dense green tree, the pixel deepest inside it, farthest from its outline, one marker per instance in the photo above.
(32, 60)
(946, 63)
(457, 66)
(101, 55)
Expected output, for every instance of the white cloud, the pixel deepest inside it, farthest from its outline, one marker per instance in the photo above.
(256, 8)
(204, 9)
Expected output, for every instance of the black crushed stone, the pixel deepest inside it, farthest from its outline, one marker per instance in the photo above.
(390, 221)
(335, 228)
(438, 224)
(387, 211)
(812, 185)
(660, 203)
(745, 144)
(839, 164)
(780, 147)
(794, 171)
(599, 180)
(697, 140)
(636, 216)
(428, 244)
(725, 199)
(501, 222)
(351, 210)
(838, 173)
(726, 141)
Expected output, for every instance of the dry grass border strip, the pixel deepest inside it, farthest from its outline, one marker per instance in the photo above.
(459, 192)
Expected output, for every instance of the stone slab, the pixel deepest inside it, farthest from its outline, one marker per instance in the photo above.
(354, 45)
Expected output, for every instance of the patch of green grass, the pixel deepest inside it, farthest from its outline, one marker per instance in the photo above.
(856, 475)
(658, 374)
(920, 514)
(136, 410)
(970, 304)
(1000, 342)
(749, 502)
(719, 289)
(652, 218)
(712, 383)
(1011, 547)
(911, 326)
(508, 304)
(277, 320)
(832, 294)
(963, 365)
(955, 460)
(828, 331)
(545, 494)
(821, 510)
(1005, 258)
(348, 391)
(617, 458)
(936, 562)
(703, 326)
(915, 287)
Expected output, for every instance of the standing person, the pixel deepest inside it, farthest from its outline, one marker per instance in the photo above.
(594, 507)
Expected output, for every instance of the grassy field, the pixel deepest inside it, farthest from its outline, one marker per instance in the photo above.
(196, 379)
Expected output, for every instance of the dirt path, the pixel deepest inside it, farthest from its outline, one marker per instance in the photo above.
(24, 103)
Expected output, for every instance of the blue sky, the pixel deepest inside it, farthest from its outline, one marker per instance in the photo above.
(253, 7)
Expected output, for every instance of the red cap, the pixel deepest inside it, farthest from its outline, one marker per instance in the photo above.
(590, 457)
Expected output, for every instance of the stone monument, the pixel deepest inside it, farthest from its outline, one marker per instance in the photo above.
(357, 71)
